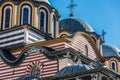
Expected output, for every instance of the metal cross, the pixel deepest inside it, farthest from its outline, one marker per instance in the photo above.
(103, 35)
(71, 7)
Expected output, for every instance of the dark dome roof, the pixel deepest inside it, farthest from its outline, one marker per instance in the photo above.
(110, 51)
(73, 25)
(69, 70)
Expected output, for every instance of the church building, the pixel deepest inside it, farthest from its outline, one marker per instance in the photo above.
(36, 45)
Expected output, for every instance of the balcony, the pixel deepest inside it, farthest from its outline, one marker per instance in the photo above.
(20, 36)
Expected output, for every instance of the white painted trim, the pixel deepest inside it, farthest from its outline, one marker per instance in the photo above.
(11, 38)
(42, 10)
(11, 33)
(25, 35)
(29, 13)
(4, 15)
(14, 42)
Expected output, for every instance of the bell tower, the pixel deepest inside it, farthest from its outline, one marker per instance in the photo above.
(27, 21)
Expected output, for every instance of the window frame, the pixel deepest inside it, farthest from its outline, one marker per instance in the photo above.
(45, 19)
(4, 16)
(115, 65)
(29, 13)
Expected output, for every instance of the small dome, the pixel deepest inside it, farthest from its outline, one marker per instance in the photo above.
(110, 51)
(73, 25)
(69, 70)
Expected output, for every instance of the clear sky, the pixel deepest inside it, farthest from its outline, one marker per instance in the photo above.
(99, 14)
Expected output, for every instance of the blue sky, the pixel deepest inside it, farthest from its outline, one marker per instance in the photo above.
(100, 14)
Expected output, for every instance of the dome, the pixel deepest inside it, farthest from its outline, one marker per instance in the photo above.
(110, 51)
(73, 25)
(69, 70)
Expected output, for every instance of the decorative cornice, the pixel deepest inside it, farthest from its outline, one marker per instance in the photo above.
(12, 61)
(50, 53)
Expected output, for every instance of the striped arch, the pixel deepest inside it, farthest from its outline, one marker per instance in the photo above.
(32, 65)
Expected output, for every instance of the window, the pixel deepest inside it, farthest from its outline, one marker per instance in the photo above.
(26, 14)
(114, 65)
(35, 71)
(7, 17)
(25, 19)
(43, 20)
(86, 50)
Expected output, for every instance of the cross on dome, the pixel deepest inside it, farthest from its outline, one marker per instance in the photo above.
(71, 6)
(103, 35)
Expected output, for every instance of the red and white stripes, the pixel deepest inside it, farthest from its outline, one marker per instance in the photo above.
(47, 66)
(80, 42)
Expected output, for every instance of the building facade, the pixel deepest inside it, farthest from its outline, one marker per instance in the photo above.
(36, 45)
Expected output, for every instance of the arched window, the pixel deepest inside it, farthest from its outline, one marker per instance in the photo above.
(86, 50)
(7, 17)
(114, 65)
(93, 39)
(43, 20)
(26, 14)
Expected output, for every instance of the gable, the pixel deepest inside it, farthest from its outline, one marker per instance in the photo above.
(80, 43)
